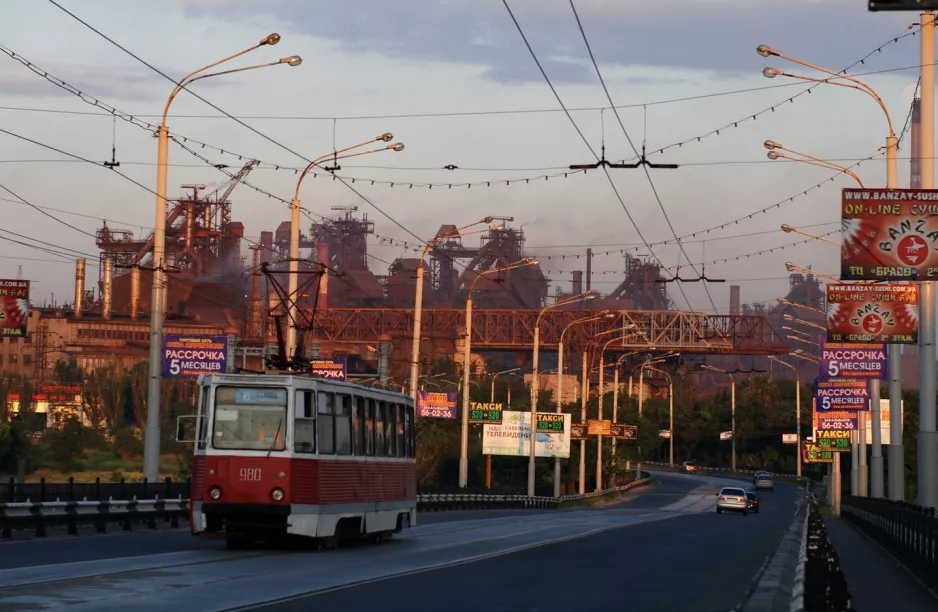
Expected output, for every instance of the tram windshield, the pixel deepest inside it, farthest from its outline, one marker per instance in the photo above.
(249, 418)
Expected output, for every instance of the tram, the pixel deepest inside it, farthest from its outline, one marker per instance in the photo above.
(293, 455)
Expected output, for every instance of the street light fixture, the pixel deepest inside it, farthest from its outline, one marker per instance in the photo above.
(801, 306)
(670, 415)
(418, 298)
(774, 154)
(797, 408)
(535, 377)
(151, 448)
(295, 208)
(467, 357)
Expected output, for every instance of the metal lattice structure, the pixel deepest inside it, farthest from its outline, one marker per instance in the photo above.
(689, 332)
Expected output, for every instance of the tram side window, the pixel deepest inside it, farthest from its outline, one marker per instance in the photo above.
(369, 427)
(202, 422)
(358, 426)
(326, 412)
(343, 425)
(379, 429)
(401, 446)
(304, 423)
(390, 439)
(409, 431)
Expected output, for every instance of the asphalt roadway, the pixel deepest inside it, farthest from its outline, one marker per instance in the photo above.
(701, 562)
(94, 547)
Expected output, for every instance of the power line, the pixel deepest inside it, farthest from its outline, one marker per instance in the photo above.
(39, 208)
(583, 138)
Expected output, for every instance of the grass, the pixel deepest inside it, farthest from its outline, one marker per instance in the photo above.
(104, 465)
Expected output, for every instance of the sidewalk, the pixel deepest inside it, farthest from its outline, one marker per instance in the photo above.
(876, 581)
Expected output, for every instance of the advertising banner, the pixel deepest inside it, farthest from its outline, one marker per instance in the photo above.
(853, 360)
(484, 413)
(838, 420)
(333, 368)
(889, 234)
(812, 453)
(623, 432)
(513, 437)
(14, 308)
(836, 394)
(872, 313)
(599, 428)
(837, 440)
(579, 432)
(789, 438)
(884, 427)
(436, 405)
(188, 356)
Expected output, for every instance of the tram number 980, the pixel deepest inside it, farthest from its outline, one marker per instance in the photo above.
(250, 474)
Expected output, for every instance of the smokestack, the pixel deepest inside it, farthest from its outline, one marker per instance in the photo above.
(589, 268)
(79, 286)
(735, 308)
(106, 294)
(577, 282)
(134, 293)
(915, 173)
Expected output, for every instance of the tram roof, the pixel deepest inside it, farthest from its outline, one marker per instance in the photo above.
(287, 378)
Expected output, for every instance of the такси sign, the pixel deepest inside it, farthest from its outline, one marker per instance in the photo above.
(187, 356)
(889, 234)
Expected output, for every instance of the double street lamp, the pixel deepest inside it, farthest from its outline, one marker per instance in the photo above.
(467, 357)
(151, 452)
(797, 408)
(732, 412)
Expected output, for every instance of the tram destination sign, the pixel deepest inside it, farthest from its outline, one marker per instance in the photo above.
(889, 234)
(872, 313)
(485, 413)
(187, 356)
(853, 360)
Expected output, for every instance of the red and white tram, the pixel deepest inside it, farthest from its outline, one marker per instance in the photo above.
(295, 455)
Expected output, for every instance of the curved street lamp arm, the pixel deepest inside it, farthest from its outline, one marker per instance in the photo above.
(335, 155)
(820, 163)
(512, 266)
(860, 86)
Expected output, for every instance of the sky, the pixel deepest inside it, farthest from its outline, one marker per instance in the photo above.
(455, 82)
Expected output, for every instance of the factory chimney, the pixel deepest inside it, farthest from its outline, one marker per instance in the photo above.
(735, 308)
(106, 289)
(577, 282)
(79, 286)
(134, 293)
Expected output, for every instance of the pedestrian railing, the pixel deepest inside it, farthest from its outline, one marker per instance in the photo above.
(824, 585)
(908, 531)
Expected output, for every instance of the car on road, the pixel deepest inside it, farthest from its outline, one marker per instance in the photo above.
(689, 467)
(732, 499)
(753, 501)
(765, 482)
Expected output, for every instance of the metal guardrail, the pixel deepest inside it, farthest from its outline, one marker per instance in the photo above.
(12, 491)
(719, 470)
(908, 531)
(825, 586)
(482, 501)
(797, 592)
(38, 516)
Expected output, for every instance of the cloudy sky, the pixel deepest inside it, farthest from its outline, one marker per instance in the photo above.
(454, 81)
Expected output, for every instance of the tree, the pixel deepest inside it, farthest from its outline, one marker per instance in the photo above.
(67, 371)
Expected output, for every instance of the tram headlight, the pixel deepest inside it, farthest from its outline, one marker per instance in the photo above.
(215, 493)
(277, 494)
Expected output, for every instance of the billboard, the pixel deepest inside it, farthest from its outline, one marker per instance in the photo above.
(436, 405)
(513, 437)
(578, 432)
(332, 368)
(789, 438)
(840, 395)
(852, 360)
(872, 313)
(812, 453)
(837, 420)
(884, 427)
(836, 440)
(889, 234)
(14, 308)
(623, 432)
(187, 356)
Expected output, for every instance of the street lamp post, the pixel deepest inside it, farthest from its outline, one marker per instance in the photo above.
(732, 413)
(488, 458)
(894, 357)
(418, 298)
(151, 449)
(295, 209)
(467, 357)
(641, 401)
(797, 409)
(670, 415)
(560, 349)
(535, 376)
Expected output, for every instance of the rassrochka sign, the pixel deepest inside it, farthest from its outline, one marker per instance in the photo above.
(852, 360)
(840, 395)
(186, 356)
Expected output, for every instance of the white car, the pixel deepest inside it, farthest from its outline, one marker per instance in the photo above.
(733, 499)
(765, 481)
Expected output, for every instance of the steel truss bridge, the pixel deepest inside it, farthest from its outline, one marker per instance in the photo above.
(688, 332)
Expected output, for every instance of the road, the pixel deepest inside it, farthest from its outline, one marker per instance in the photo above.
(662, 547)
(94, 547)
(699, 562)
